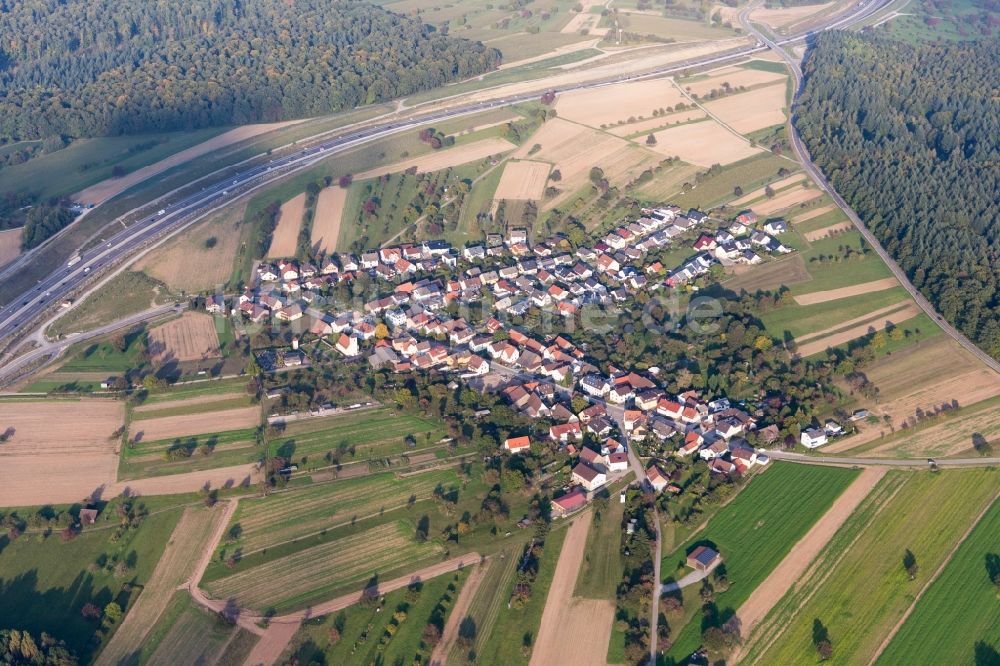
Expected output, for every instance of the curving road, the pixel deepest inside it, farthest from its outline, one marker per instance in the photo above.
(804, 157)
(27, 310)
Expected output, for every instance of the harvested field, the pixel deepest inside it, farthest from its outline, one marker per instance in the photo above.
(303, 576)
(523, 180)
(69, 441)
(784, 576)
(828, 231)
(326, 223)
(177, 563)
(785, 16)
(759, 193)
(191, 482)
(10, 245)
(446, 158)
(788, 271)
(284, 241)
(183, 425)
(703, 143)
(846, 292)
(611, 104)
(188, 263)
(815, 212)
(819, 343)
(106, 189)
(572, 630)
(787, 199)
(752, 110)
(660, 122)
(734, 76)
(192, 337)
(575, 149)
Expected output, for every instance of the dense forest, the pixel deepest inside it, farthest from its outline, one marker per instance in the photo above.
(103, 67)
(910, 137)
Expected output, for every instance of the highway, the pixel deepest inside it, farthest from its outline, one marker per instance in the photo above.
(806, 159)
(67, 280)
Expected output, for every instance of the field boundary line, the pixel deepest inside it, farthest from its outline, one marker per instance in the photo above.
(930, 581)
(825, 576)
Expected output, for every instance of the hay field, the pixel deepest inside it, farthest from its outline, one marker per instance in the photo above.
(106, 189)
(734, 76)
(703, 143)
(660, 122)
(187, 263)
(303, 575)
(183, 425)
(787, 199)
(284, 241)
(326, 223)
(192, 337)
(523, 180)
(573, 630)
(846, 292)
(176, 564)
(445, 158)
(67, 443)
(752, 110)
(10, 245)
(611, 104)
(819, 342)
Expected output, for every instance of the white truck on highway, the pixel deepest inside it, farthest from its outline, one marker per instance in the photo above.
(75, 259)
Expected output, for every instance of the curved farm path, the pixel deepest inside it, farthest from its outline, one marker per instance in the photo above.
(802, 554)
(458, 613)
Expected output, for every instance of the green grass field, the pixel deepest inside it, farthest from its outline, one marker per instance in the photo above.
(236, 401)
(490, 600)
(209, 451)
(188, 634)
(869, 589)
(800, 320)
(753, 533)
(103, 357)
(601, 570)
(748, 174)
(940, 630)
(44, 582)
(88, 161)
(361, 629)
(310, 511)
(513, 628)
(359, 436)
(195, 389)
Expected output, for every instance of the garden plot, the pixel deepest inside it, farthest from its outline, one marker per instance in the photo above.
(192, 337)
(285, 240)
